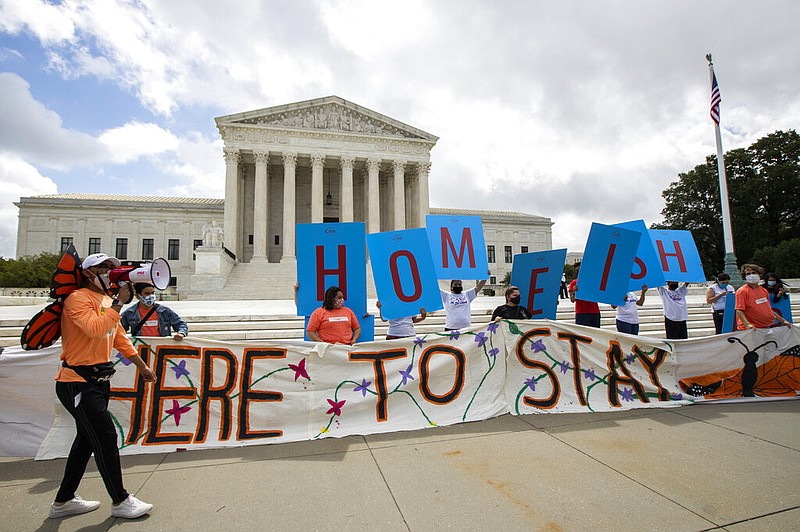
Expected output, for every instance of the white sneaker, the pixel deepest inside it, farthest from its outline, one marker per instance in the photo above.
(73, 506)
(130, 508)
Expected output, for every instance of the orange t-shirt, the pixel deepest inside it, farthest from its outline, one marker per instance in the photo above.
(334, 326)
(150, 327)
(754, 302)
(89, 330)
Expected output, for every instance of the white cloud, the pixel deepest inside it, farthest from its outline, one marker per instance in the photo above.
(17, 179)
(133, 140)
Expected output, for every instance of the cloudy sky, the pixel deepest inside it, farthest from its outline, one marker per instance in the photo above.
(578, 111)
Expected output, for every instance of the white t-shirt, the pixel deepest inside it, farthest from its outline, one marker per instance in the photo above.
(401, 327)
(457, 308)
(674, 301)
(628, 312)
(719, 304)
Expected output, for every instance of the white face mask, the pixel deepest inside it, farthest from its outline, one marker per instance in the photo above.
(149, 301)
(752, 278)
(102, 281)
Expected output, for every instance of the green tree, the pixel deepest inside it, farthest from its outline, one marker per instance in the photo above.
(33, 271)
(782, 260)
(764, 197)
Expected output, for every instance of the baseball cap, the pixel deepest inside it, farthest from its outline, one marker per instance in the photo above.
(99, 258)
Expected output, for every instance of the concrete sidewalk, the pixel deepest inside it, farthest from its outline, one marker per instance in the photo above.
(733, 466)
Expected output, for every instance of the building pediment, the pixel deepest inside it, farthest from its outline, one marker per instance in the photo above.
(332, 114)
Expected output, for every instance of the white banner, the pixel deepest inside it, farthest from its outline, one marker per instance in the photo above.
(218, 394)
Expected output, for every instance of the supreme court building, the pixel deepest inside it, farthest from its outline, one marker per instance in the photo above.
(322, 160)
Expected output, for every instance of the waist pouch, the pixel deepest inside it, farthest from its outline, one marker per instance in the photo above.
(94, 374)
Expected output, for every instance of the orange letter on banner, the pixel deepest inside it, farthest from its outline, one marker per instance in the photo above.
(412, 264)
(377, 359)
(614, 361)
(677, 254)
(340, 270)
(424, 372)
(548, 402)
(575, 354)
(248, 395)
(466, 241)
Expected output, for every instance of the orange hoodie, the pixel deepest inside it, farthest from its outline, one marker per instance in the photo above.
(89, 330)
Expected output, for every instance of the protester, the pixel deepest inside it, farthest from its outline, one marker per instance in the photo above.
(401, 327)
(458, 304)
(628, 314)
(676, 311)
(716, 296)
(148, 318)
(512, 310)
(775, 287)
(333, 322)
(753, 310)
(586, 312)
(90, 328)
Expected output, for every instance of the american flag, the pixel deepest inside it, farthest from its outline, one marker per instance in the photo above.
(715, 99)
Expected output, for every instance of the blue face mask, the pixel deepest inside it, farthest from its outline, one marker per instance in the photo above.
(772, 283)
(149, 301)
(723, 285)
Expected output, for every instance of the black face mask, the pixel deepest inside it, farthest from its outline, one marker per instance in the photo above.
(672, 286)
(457, 289)
(516, 300)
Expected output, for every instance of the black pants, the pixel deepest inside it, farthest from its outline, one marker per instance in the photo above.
(719, 317)
(590, 320)
(676, 330)
(628, 328)
(95, 434)
(562, 291)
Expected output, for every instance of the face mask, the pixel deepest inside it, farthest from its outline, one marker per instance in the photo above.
(752, 278)
(149, 301)
(516, 299)
(772, 283)
(101, 281)
(338, 303)
(723, 285)
(457, 289)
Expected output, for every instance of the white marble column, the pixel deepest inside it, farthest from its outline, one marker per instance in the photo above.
(399, 194)
(231, 228)
(346, 205)
(423, 170)
(317, 201)
(373, 217)
(289, 168)
(260, 203)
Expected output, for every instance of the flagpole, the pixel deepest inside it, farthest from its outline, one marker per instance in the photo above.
(731, 267)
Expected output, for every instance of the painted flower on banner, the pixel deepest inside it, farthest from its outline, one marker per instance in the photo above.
(493, 327)
(564, 367)
(455, 334)
(177, 411)
(676, 396)
(630, 359)
(531, 383)
(336, 407)
(299, 369)
(363, 387)
(537, 346)
(418, 341)
(627, 394)
(493, 351)
(589, 374)
(125, 361)
(406, 375)
(180, 369)
(481, 338)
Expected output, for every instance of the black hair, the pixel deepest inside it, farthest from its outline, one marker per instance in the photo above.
(723, 277)
(138, 287)
(330, 297)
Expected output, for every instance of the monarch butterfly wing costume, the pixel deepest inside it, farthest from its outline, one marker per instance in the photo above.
(45, 327)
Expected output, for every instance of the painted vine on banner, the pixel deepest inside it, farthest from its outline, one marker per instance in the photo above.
(225, 394)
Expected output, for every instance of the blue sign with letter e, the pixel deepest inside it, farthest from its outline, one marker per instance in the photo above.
(538, 277)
